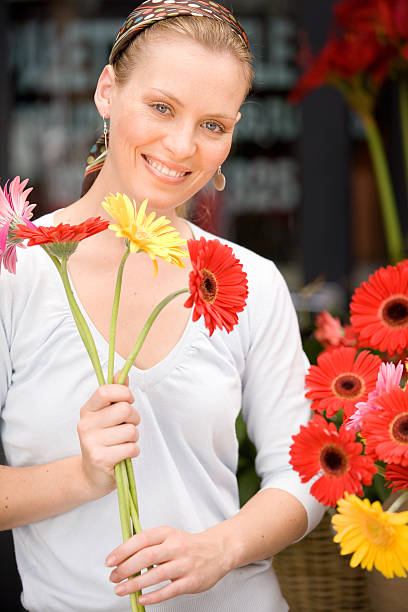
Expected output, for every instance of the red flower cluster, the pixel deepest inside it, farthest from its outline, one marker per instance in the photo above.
(374, 36)
(388, 19)
(344, 378)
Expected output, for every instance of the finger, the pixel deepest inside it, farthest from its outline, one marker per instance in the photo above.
(147, 537)
(119, 452)
(120, 434)
(178, 587)
(115, 378)
(148, 557)
(122, 412)
(109, 394)
(156, 575)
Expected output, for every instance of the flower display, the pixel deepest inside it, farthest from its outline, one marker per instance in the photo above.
(154, 236)
(367, 47)
(14, 209)
(320, 450)
(386, 430)
(218, 285)
(396, 477)
(379, 310)
(376, 538)
(341, 379)
(63, 239)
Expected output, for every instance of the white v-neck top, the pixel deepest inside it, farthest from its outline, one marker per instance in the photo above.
(186, 471)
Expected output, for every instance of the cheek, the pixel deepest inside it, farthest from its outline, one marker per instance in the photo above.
(215, 153)
(131, 130)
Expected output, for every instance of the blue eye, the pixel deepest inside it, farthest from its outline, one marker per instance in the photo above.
(162, 108)
(213, 126)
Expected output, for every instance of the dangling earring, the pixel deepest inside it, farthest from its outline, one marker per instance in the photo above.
(105, 133)
(219, 180)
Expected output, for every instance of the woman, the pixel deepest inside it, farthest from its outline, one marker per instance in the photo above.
(172, 92)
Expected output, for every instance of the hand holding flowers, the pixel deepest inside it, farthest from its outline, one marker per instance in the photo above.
(218, 289)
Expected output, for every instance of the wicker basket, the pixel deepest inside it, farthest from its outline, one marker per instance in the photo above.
(314, 577)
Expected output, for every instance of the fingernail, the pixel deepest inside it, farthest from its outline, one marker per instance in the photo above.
(120, 589)
(110, 560)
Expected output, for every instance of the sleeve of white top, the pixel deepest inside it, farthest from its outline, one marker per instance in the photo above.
(5, 324)
(274, 404)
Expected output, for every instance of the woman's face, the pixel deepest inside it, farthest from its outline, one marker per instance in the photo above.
(171, 124)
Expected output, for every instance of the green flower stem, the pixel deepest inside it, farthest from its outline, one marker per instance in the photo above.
(380, 469)
(114, 316)
(403, 109)
(142, 336)
(392, 228)
(134, 514)
(398, 502)
(81, 324)
(132, 483)
(125, 513)
(123, 502)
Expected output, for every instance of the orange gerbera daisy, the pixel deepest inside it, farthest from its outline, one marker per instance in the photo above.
(340, 380)
(379, 310)
(396, 477)
(385, 431)
(319, 449)
(218, 284)
(62, 239)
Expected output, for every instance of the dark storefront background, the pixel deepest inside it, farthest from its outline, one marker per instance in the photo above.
(299, 189)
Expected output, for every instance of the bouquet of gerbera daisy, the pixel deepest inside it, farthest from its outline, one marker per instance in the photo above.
(217, 287)
(356, 445)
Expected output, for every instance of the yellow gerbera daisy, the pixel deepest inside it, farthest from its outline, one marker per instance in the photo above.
(377, 538)
(155, 237)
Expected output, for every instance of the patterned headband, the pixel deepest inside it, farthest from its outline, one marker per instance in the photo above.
(145, 15)
(148, 13)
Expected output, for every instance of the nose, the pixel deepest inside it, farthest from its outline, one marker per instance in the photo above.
(180, 141)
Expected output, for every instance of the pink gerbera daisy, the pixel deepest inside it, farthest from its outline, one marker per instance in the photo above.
(389, 377)
(14, 209)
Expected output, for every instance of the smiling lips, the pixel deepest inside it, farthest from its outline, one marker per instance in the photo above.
(170, 174)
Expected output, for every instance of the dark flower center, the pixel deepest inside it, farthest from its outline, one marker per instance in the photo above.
(208, 286)
(348, 386)
(395, 311)
(333, 460)
(399, 429)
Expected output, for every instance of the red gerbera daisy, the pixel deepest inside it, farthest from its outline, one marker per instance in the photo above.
(319, 449)
(396, 477)
(340, 380)
(63, 239)
(379, 310)
(218, 284)
(385, 431)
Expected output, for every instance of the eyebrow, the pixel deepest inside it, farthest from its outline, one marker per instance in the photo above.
(167, 94)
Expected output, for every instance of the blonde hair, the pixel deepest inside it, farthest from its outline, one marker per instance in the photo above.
(211, 33)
